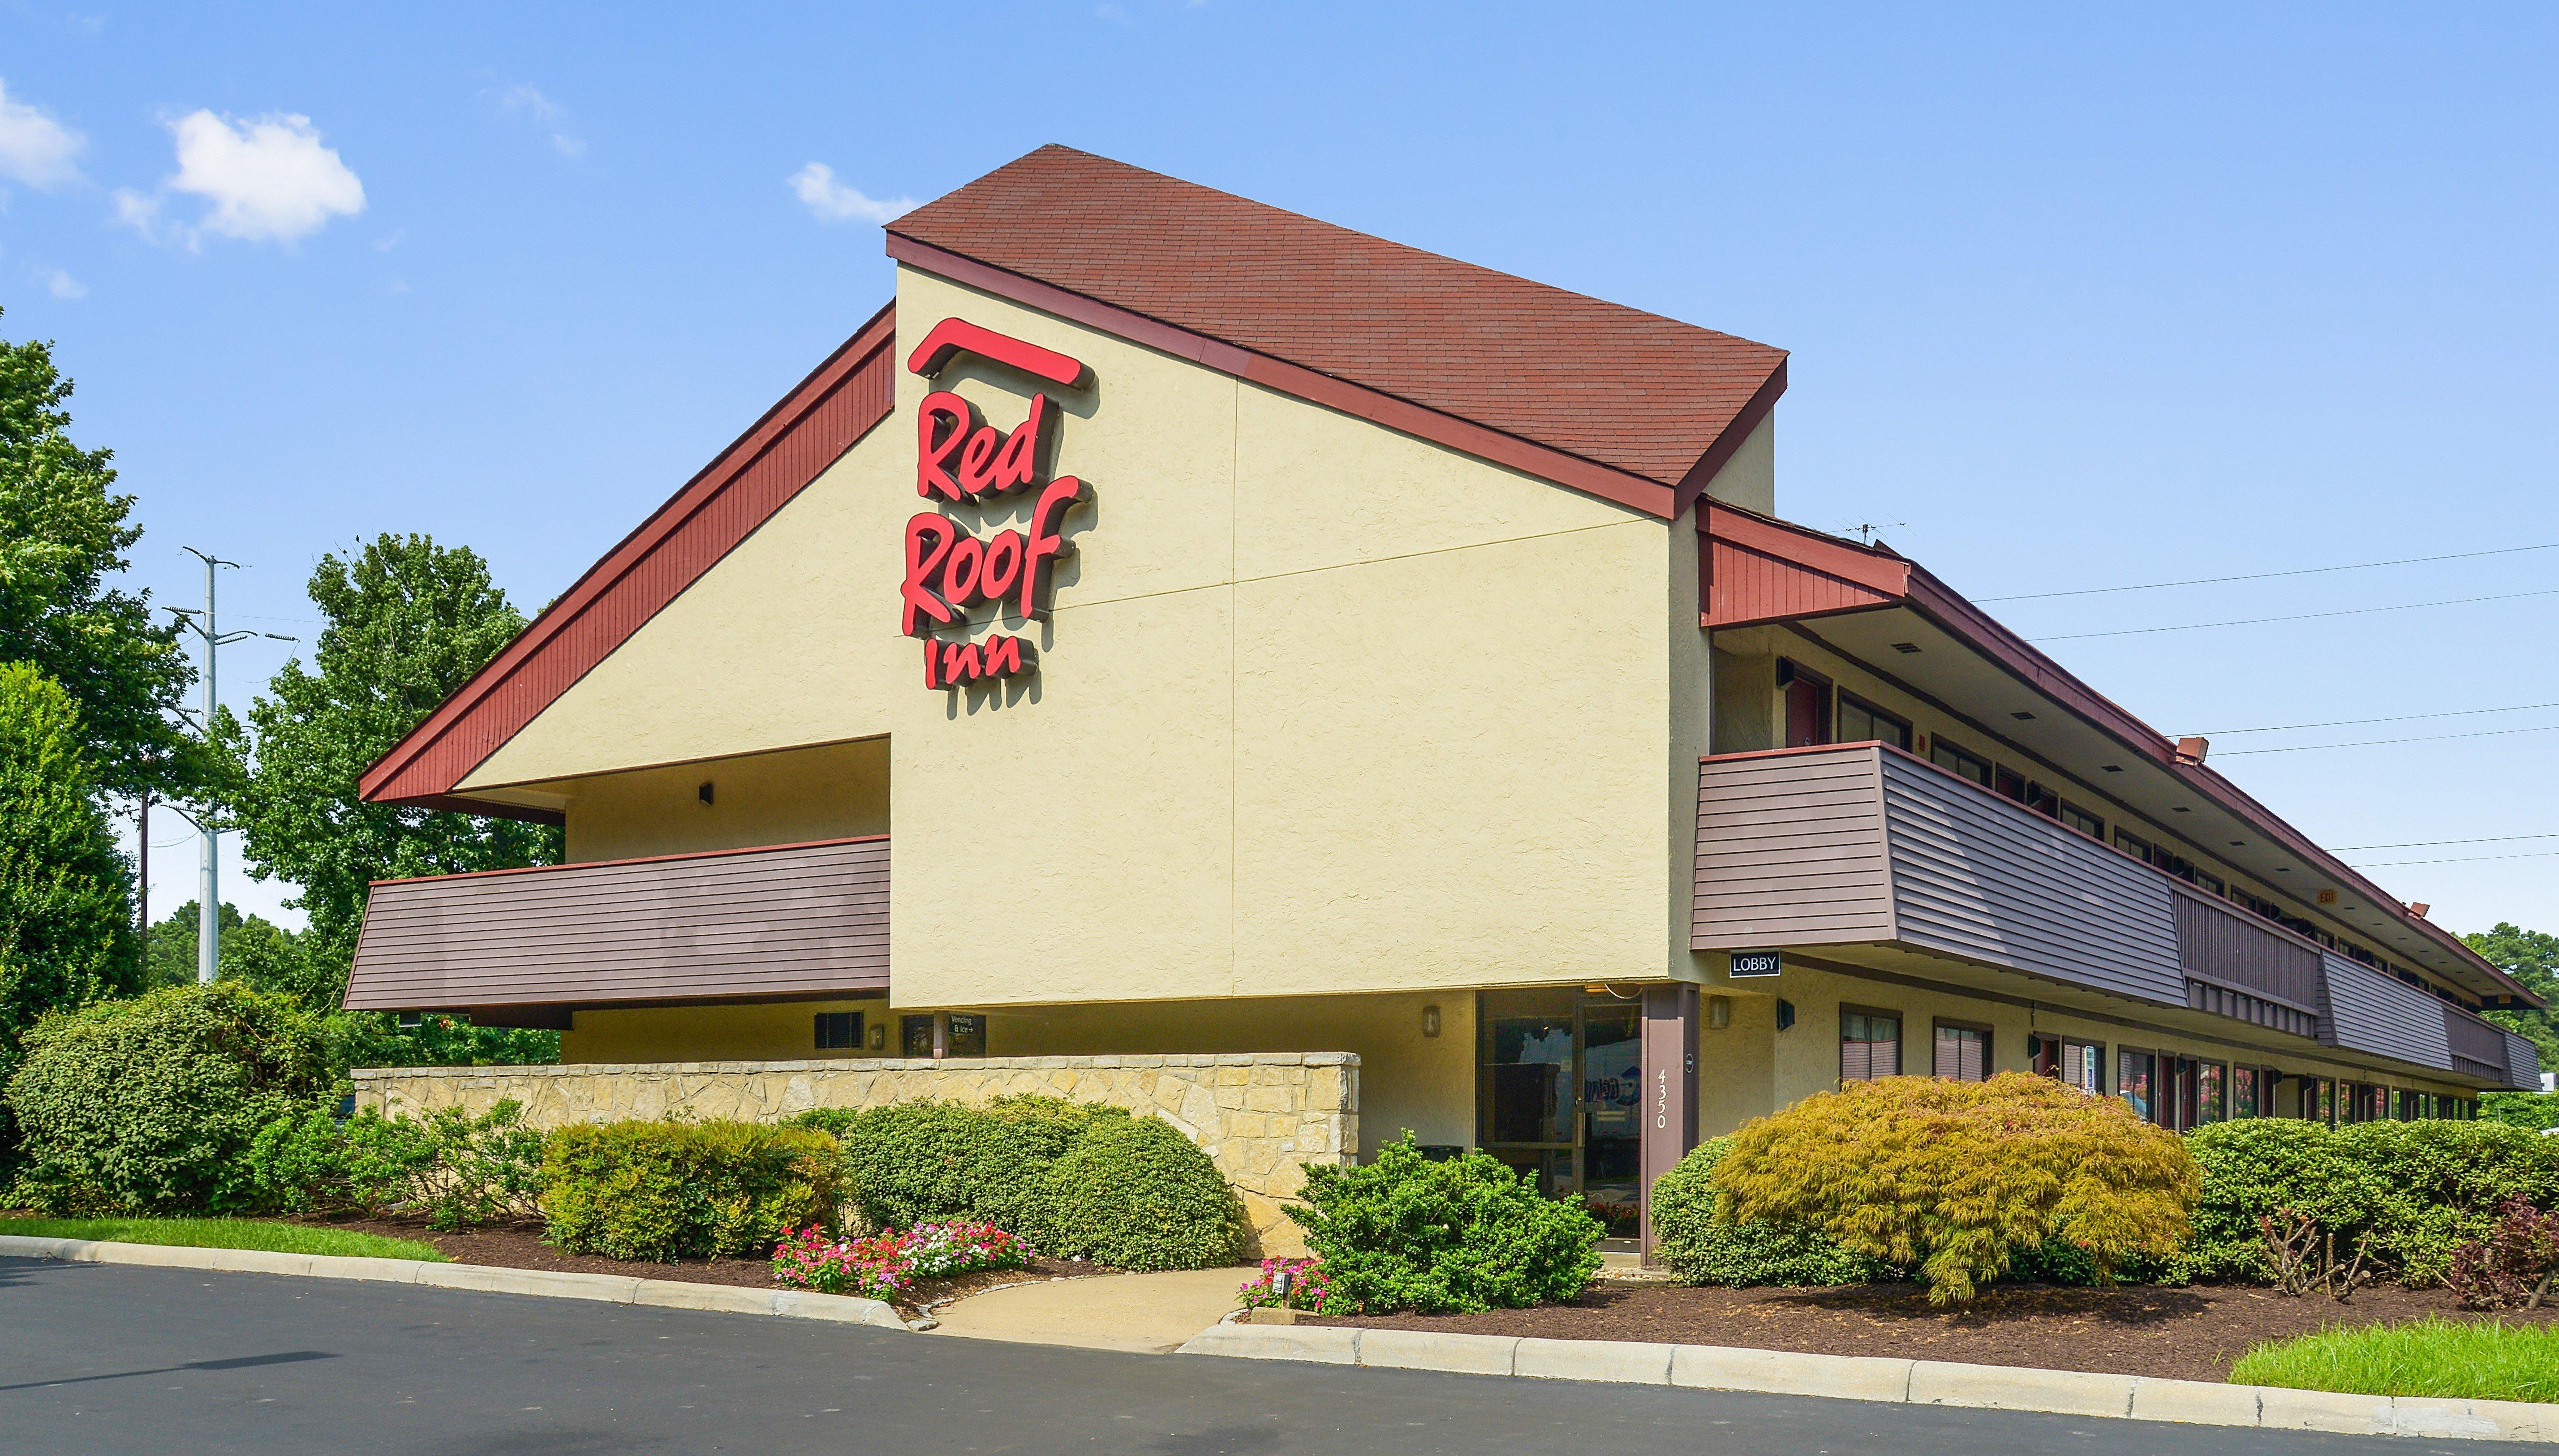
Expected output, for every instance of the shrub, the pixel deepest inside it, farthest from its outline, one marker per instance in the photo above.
(1076, 1179)
(2513, 1265)
(915, 1161)
(1448, 1238)
(2420, 1188)
(458, 1169)
(2535, 1110)
(1134, 1193)
(151, 1105)
(2429, 1356)
(666, 1190)
(1955, 1177)
(1703, 1250)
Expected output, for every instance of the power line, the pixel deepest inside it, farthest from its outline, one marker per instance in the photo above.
(2360, 722)
(2461, 859)
(2303, 617)
(2153, 586)
(2371, 742)
(2431, 843)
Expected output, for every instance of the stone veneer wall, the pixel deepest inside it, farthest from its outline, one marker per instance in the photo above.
(1258, 1116)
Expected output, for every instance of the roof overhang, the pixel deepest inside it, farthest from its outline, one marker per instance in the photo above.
(793, 443)
(1871, 604)
(1545, 462)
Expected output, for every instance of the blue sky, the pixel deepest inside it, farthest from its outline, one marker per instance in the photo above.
(2076, 298)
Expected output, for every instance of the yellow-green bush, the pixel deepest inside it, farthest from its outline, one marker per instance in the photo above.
(1954, 1177)
(685, 1190)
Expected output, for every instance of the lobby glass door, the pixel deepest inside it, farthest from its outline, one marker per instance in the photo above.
(1559, 1080)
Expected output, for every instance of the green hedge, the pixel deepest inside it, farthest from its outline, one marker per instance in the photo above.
(1458, 1237)
(2418, 1188)
(1133, 1193)
(1075, 1178)
(151, 1105)
(2535, 1110)
(1702, 1250)
(685, 1190)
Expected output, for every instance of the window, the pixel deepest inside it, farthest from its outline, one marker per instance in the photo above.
(2132, 1075)
(2243, 1092)
(1870, 1044)
(2134, 846)
(840, 1031)
(2010, 784)
(1963, 1053)
(2209, 1078)
(1960, 764)
(2083, 821)
(2078, 1064)
(1859, 721)
(2042, 800)
(965, 1037)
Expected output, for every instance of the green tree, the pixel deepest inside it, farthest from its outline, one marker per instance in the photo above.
(2532, 957)
(62, 533)
(409, 622)
(255, 951)
(66, 906)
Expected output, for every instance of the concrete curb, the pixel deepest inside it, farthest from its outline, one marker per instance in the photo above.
(797, 1304)
(1907, 1382)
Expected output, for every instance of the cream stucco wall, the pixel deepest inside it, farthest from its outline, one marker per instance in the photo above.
(1321, 707)
(1412, 1081)
(792, 796)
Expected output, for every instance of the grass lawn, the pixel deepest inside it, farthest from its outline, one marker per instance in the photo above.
(224, 1234)
(2428, 1357)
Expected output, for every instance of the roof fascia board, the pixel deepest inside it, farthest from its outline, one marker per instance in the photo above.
(877, 333)
(1730, 443)
(1874, 570)
(1969, 625)
(1358, 400)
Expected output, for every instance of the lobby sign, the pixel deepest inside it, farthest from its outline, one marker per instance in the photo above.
(962, 462)
(1748, 963)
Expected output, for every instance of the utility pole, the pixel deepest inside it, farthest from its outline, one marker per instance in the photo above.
(142, 896)
(209, 905)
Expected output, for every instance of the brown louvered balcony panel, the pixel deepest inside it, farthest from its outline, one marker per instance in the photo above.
(790, 922)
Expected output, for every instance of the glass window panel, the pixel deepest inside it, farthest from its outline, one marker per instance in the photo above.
(967, 1034)
(2133, 1072)
(2207, 1092)
(2243, 1092)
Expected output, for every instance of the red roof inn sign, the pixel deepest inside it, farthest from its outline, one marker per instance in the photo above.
(960, 461)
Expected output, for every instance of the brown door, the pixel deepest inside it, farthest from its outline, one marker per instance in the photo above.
(1808, 710)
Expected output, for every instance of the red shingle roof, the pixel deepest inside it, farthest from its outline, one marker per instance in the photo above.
(1614, 385)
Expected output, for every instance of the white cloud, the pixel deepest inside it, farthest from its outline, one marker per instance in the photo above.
(542, 111)
(833, 201)
(268, 180)
(63, 286)
(1113, 14)
(35, 148)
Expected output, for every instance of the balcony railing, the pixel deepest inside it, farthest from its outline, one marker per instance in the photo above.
(527, 946)
(1864, 845)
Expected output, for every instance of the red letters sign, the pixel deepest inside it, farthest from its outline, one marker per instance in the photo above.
(962, 462)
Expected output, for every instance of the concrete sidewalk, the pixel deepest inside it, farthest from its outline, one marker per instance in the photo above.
(1144, 1314)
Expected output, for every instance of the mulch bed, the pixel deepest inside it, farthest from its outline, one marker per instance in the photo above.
(2190, 1334)
(521, 1246)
